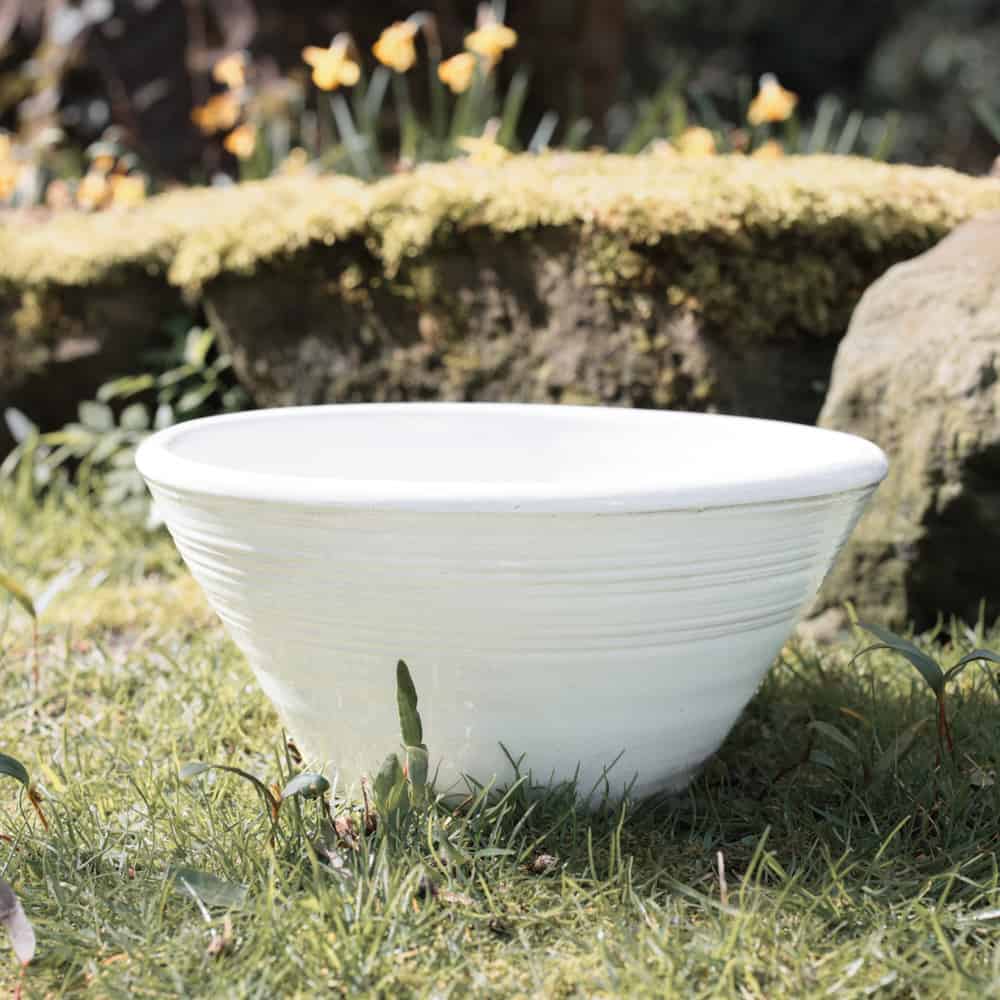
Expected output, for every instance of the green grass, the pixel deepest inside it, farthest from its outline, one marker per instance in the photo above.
(842, 879)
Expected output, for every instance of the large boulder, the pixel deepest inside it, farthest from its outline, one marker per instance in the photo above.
(918, 374)
(714, 284)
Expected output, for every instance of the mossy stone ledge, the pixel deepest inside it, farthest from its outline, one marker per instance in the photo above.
(715, 284)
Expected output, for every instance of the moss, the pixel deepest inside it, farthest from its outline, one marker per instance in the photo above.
(191, 234)
(195, 235)
(635, 280)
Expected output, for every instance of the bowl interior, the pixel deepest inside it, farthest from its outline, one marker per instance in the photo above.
(423, 451)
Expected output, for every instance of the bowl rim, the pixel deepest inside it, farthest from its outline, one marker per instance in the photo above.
(165, 470)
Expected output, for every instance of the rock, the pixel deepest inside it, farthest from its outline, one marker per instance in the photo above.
(517, 319)
(917, 373)
(58, 344)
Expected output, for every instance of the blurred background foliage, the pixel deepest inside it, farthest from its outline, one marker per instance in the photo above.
(917, 78)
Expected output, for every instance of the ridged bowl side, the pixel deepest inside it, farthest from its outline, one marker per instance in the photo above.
(573, 639)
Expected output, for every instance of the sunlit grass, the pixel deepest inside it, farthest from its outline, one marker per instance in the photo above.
(841, 877)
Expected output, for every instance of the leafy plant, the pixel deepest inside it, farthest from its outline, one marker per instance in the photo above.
(189, 378)
(11, 767)
(402, 785)
(306, 785)
(936, 678)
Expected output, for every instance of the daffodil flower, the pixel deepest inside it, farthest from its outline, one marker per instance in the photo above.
(770, 150)
(295, 162)
(484, 148)
(695, 141)
(490, 40)
(93, 191)
(773, 103)
(395, 46)
(127, 189)
(457, 72)
(332, 67)
(10, 169)
(241, 142)
(230, 70)
(217, 114)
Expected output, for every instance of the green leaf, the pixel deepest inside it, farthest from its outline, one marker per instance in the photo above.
(928, 667)
(197, 346)
(208, 889)
(388, 784)
(835, 734)
(513, 103)
(134, 418)
(13, 768)
(823, 759)
(96, 416)
(19, 594)
(195, 768)
(898, 749)
(417, 765)
(307, 784)
(493, 852)
(977, 654)
(406, 700)
(164, 417)
(192, 770)
(194, 398)
(122, 388)
(20, 427)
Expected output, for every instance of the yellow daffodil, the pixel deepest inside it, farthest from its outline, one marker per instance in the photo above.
(10, 173)
(483, 149)
(770, 150)
(395, 47)
(241, 141)
(457, 72)
(332, 67)
(10, 170)
(490, 40)
(773, 103)
(230, 70)
(295, 162)
(93, 191)
(217, 114)
(695, 141)
(127, 189)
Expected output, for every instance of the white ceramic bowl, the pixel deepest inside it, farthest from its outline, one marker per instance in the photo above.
(580, 584)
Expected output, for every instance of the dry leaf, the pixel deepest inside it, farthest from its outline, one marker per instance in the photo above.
(13, 917)
(542, 863)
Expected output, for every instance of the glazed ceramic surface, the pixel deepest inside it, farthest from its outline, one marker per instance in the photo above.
(583, 585)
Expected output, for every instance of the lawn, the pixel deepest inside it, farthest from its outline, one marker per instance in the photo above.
(823, 852)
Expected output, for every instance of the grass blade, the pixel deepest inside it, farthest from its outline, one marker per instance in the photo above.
(192, 770)
(833, 733)
(19, 594)
(898, 749)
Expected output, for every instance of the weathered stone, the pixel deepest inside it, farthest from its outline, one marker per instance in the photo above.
(58, 344)
(918, 374)
(519, 318)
